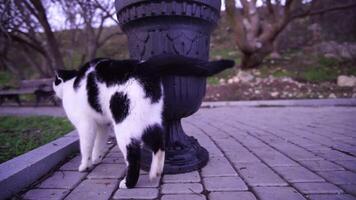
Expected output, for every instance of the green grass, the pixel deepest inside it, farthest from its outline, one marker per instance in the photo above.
(319, 74)
(316, 69)
(327, 62)
(213, 80)
(8, 79)
(325, 69)
(22, 134)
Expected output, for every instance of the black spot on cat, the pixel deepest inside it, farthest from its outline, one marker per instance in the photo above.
(119, 106)
(93, 92)
(113, 72)
(152, 87)
(83, 69)
(133, 158)
(153, 137)
(66, 75)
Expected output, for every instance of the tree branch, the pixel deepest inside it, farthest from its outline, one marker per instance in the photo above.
(322, 11)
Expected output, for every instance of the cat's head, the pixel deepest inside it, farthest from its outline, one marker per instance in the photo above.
(62, 76)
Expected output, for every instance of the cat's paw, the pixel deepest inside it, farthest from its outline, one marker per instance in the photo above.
(154, 175)
(122, 184)
(84, 167)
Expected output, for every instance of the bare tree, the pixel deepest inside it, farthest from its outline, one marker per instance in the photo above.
(27, 33)
(25, 23)
(87, 18)
(256, 28)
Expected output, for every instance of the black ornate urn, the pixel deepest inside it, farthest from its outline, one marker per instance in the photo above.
(177, 27)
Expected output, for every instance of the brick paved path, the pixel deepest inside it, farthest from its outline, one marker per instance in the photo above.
(279, 153)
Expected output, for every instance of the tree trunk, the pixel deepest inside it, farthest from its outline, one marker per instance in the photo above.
(53, 47)
(251, 60)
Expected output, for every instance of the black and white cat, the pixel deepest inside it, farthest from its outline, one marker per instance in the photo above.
(128, 95)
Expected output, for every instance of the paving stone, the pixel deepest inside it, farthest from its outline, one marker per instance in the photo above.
(136, 193)
(260, 175)
(213, 150)
(321, 165)
(114, 154)
(250, 141)
(302, 154)
(179, 188)
(145, 182)
(242, 157)
(233, 183)
(298, 174)
(306, 138)
(98, 189)
(46, 194)
(331, 197)
(277, 193)
(317, 148)
(63, 180)
(113, 160)
(115, 149)
(229, 145)
(274, 158)
(317, 188)
(348, 164)
(218, 166)
(232, 147)
(72, 165)
(183, 197)
(351, 149)
(336, 155)
(105, 171)
(231, 196)
(350, 189)
(339, 177)
(190, 177)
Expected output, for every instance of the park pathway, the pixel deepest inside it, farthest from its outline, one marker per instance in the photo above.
(265, 153)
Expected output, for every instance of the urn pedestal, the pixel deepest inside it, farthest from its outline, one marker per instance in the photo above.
(177, 27)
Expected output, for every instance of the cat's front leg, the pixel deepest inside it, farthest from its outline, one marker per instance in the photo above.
(87, 132)
(100, 143)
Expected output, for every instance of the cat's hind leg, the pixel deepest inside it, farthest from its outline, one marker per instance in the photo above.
(153, 137)
(100, 143)
(131, 149)
(87, 132)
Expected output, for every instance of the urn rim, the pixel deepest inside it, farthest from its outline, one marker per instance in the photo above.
(121, 4)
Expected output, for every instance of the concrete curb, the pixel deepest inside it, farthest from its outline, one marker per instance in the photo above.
(32, 111)
(283, 103)
(23, 170)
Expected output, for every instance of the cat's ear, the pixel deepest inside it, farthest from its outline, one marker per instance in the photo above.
(57, 79)
(66, 74)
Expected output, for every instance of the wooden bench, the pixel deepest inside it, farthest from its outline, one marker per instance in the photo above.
(41, 88)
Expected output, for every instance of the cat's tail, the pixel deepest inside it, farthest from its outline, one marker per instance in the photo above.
(169, 64)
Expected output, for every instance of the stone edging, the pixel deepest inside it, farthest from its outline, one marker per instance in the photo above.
(283, 103)
(23, 170)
